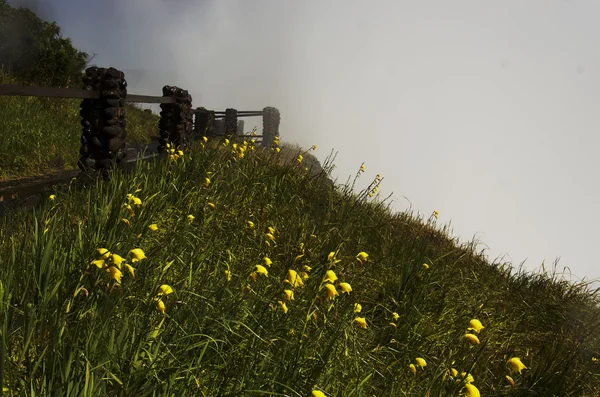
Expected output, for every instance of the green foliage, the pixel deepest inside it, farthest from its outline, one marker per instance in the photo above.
(35, 52)
(40, 135)
(68, 329)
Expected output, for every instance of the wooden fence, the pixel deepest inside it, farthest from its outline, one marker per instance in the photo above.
(104, 94)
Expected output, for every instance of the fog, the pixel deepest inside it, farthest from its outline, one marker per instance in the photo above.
(484, 111)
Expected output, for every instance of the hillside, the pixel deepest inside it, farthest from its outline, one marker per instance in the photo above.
(230, 274)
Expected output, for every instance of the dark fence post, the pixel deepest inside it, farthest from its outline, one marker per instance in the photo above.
(231, 123)
(103, 120)
(201, 125)
(271, 119)
(176, 119)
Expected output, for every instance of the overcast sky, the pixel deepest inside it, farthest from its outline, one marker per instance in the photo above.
(487, 111)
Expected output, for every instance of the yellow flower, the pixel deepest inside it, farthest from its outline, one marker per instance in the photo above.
(453, 372)
(475, 325)
(426, 266)
(211, 205)
(115, 273)
(277, 150)
(300, 158)
(314, 147)
(138, 254)
(293, 279)
(160, 305)
(289, 294)
(205, 139)
(267, 261)
(283, 306)
(134, 200)
(130, 210)
(164, 289)
(227, 274)
(117, 260)
(270, 236)
(331, 256)
(99, 263)
(412, 368)
(362, 257)
(516, 365)
(331, 291)
(262, 270)
(271, 230)
(362, 167)
(471, 391)
(52, 197)
(345, 287)
(329, 276)
(395, 315)
(394, 325)
(206, 182)
(357, 308)
(126, 221)
(130, 269)
(467, 377)
(361, 321)
(435, 214)
(251, 224)
(103, 252)
(190, 218)
(180, 153)
(318, 393)
(472, 338)
(303, 275)
(226, 142)
(307, 268)
(420, 362)
(510, 381)
(153, 227)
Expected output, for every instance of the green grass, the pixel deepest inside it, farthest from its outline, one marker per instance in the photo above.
(67, 329)
(42, 135)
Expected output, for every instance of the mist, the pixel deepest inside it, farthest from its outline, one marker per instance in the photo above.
(483, 111)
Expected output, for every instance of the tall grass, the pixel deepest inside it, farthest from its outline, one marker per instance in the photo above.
(68, 328)
(40, 135)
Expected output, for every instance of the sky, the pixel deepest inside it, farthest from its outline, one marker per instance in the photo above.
(481, 110)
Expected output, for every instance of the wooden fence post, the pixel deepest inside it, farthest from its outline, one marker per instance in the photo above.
(202, 121)
(271, 119)
(176, 119)
(103, 120)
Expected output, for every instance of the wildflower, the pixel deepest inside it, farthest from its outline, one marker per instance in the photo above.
(206, 182)
(180, 153)
(412, 368)
(103, 252)
(164, 289)
(472, 338)
(471, 391)
(250, 224)
(594, 359)
(307, 268)
(153, 227)
(270, 236)
(211, 205)
(117, 260)
(314, 147)
(331, 291)
(134, 200)
(516, 365)
(283, 306)
(362, 257)
(262, 270)
(330, 276)
(361, 321)
(435, 214)
(160, 305)
(190, 218)
(299, 159)
(357, 308)
(126, 221)
(420, 362)
(318, 393)
(267, 261)
(130, 210)
(510, 381)
(252, 276)
(289, 294)
(271, 230)
(226, 142)
(293, 279)
(52, 197)
(362, 167)
(205, 139)
(345, 287)
(475, 325)
(99, 263)
(115, 273)
(453, 372)
(394, 325)
(331, 256)
(426, 266)
(395, 315)
(138, 254)
(277, 149)
(468, 378)
(303, 275)
(227, 275)
(131, 270)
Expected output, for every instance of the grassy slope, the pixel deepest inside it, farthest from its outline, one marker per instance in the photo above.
(231, 338)
(41, 135)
